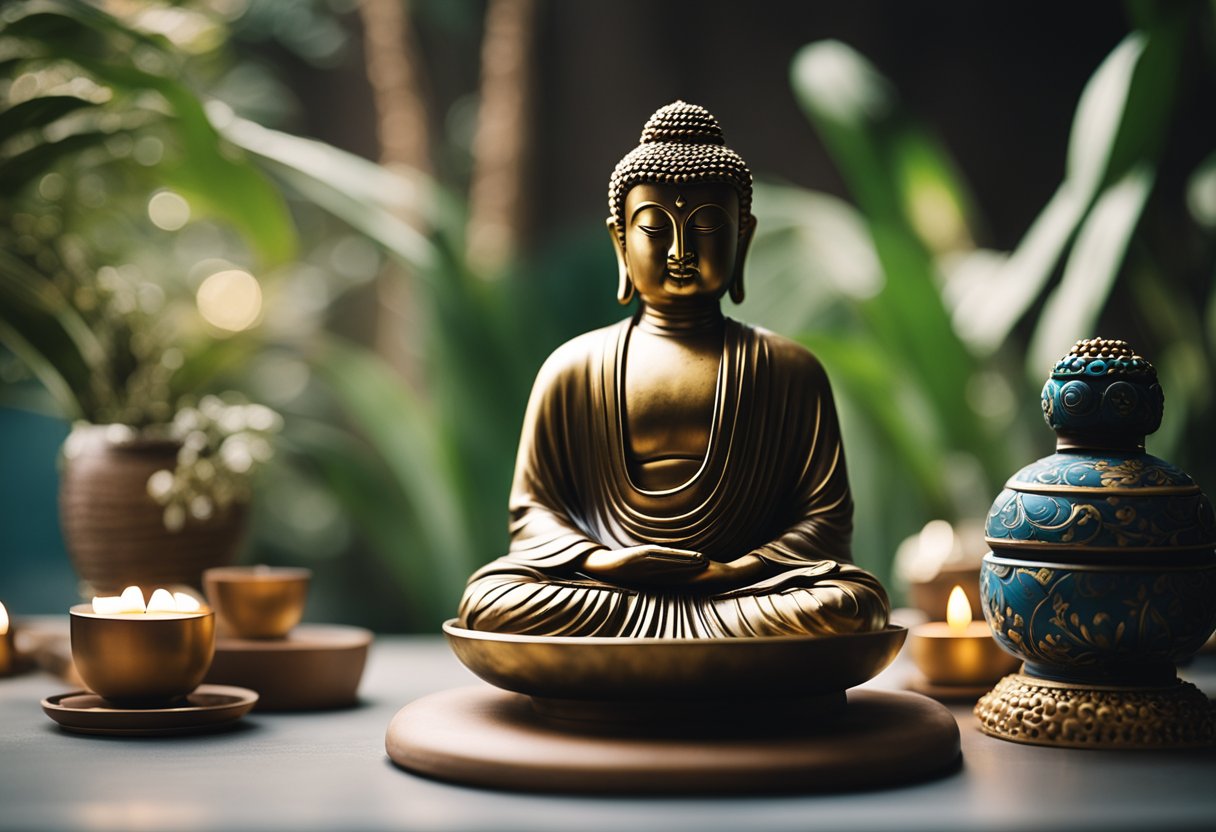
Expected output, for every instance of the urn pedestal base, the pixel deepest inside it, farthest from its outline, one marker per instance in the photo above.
(1028, 709)
(483, 736)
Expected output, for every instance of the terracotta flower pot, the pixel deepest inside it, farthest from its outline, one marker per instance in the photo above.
(115, 531)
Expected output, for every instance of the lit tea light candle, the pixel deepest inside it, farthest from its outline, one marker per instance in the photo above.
(958, 651)
(8, 654)
(143, 653)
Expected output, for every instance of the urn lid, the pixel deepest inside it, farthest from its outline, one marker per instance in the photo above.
(1101, 497)
(1102, 394)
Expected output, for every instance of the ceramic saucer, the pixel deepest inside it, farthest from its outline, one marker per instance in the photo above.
(209, 707)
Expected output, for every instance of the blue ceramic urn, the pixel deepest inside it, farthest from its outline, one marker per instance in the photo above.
(1102, 570)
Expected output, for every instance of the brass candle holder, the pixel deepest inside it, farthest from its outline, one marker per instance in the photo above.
(958, 657)
(142, 660)
(8, 653)
(257, 601)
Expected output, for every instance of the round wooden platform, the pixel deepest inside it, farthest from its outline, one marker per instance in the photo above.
(483, 736)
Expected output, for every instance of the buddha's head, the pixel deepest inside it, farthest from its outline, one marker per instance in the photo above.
(680, 211)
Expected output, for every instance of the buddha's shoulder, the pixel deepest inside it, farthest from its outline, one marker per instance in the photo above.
(788, 355)
(578, 356)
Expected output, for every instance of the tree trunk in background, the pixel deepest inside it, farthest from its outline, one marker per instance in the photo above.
(496, 192)
(402, 129)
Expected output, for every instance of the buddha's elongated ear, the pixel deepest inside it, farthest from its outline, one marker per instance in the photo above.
(745, 241)
(624, 288)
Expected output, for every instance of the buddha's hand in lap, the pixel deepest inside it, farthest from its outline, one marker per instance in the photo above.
(718, 576)
(646, 565)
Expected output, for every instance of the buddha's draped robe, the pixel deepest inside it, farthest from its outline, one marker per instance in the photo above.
(772, 483)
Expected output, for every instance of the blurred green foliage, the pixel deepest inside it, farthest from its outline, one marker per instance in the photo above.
(394, 489)
(940, 346)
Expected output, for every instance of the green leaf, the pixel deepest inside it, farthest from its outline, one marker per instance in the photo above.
(1100, 111)
(47, 332)
(1121, 118)
(1072, 310)
(215, 177)
(1124, 111)
(857, 113)
(371, 198)
(936, 201)
(851, 105)
(896, 169)
(16, 172)
(989, 307)
(863, 374)
(811, 252)
(1184, 357)
(1210, 320)
(410, 440)
(37, 113)
(380, 510)
(875, 144)
(74, 22)
(44, 370)
(227, 185)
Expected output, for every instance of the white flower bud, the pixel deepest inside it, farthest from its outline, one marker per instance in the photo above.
(160, 486)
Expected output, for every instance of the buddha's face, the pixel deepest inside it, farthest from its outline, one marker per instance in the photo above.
(681, 241)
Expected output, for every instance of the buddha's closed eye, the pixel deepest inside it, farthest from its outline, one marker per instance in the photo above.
(707, 219)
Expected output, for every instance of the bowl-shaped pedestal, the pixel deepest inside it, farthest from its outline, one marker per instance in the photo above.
(644, 677)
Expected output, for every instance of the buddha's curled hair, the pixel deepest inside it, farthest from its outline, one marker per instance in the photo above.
(680, 143)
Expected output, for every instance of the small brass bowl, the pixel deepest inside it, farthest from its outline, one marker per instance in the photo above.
(257, 601)
(142, 660)
(950, 657)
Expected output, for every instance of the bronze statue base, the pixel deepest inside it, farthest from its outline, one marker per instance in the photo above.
(483, 736)
(1027, 709)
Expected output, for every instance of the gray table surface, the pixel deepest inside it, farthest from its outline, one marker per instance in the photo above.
(329, 772)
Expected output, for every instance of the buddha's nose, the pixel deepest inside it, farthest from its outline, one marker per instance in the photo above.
(678, 255)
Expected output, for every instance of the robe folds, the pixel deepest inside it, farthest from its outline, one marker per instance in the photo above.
(772, 484)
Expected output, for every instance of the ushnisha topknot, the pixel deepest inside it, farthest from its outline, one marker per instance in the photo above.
(680, 143)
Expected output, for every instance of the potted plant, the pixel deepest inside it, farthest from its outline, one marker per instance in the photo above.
(104, 158)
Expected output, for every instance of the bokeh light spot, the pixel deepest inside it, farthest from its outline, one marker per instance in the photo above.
(168, 211)
(230, 300)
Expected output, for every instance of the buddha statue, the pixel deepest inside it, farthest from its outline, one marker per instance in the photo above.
(680, 474)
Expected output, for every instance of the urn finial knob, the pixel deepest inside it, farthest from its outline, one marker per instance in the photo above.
(1102, 394)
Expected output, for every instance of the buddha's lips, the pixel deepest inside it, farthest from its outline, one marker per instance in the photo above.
(683, 275)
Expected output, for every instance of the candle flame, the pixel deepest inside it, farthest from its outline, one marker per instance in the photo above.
(132, 601)
(162, 601)
(3, 620)
(186, 603)
(958, 609)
